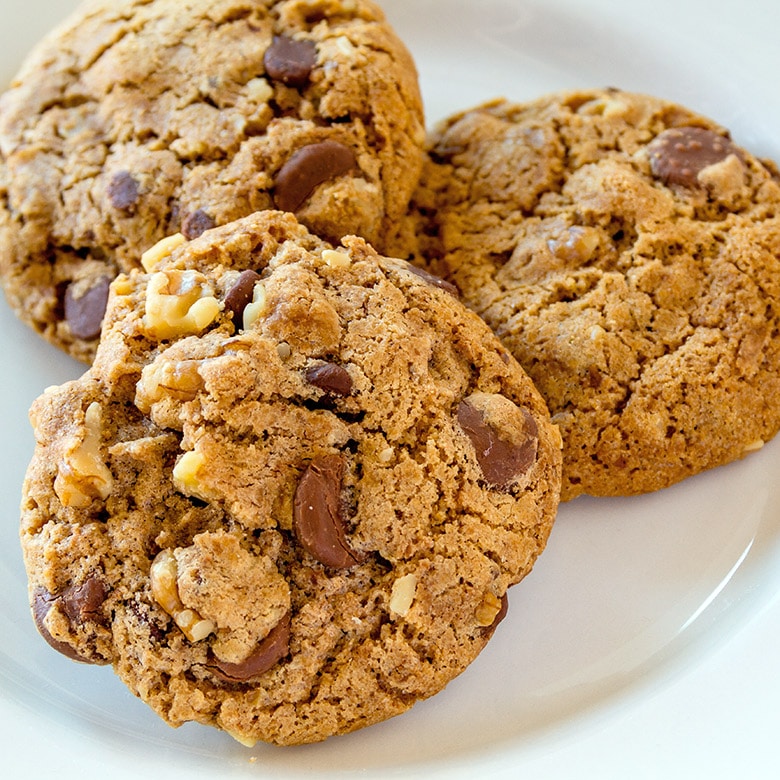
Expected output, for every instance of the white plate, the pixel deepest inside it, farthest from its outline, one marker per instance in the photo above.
(645, 642)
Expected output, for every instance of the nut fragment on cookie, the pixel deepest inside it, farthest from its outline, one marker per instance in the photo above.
(256, 308)
(179, 303)
(163, 576)
(185, 474)
(83, 475)
(403, 595)
(178, 379)
(489, 609)
(242, 293)
(335, 258)
(161, 250)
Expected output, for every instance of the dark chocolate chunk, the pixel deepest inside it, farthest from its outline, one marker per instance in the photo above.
(240, 296)
(330, 377)
(266, 655)
(42, 602)
(196, 224)
(678, 154)
(123, 191)
(309, 167)
(84, 313)
(317, 519)
(290, 61)
(84, 602)
(502, 462)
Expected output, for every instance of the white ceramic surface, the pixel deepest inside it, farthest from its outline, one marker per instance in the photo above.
(645, 642)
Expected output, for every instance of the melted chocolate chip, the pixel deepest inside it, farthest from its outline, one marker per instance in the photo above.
(679, 154)
(435, 281)
(84, 314)
(123, 191)
(240, 296)
(265, 656)
(290, 61)
(502, 462)
(330, 377)
(84, 602)
(196, 224)
(317, 519)
(42, 602)
(309, 167)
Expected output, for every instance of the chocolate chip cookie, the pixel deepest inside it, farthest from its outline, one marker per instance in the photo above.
(627, 252)
(289, 496)
(138, 119)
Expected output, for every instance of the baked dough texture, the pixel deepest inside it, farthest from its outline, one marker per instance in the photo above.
(627, 252)
(137, 119)
(289, 496)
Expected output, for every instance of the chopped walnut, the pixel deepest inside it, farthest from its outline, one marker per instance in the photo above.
(185, 474)
(163, 574)
(160, 251)
(179, 303)
(256, 308)
(334, 258)
(177, 379)
(403, 594)
(488, 610)
(82, 474)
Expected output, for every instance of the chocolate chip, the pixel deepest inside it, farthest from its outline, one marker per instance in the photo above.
(240, 295)
(317, 519)
(84, 313)
(84, 602)
(290, 61)
(42, 603)
(435, 281)
(678, 155)
(501, 461)
(330, 377)
(265, 656)
(123, 191)
(197, 223)
(309, 167)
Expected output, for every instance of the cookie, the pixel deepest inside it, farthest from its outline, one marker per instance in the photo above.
(627, 252)
(289, 496)
(137, 120)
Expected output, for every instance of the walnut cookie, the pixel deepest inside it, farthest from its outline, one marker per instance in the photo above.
(289, 496)
(627, 252)
(138, 119)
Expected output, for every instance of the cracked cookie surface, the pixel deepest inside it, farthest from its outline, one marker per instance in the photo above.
(627, 252)
(289, 496)
(139, 119)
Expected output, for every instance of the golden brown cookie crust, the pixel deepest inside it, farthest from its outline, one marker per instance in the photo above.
(628, 254)
(136, 120)
(289, 496)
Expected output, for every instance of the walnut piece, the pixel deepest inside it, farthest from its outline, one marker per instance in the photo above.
(160, 251)
(177, 379)
(185, 475)
(488, 610)
(402, 596)
(163, 574)
(179, 303)
(82, 474)
(256, 308)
